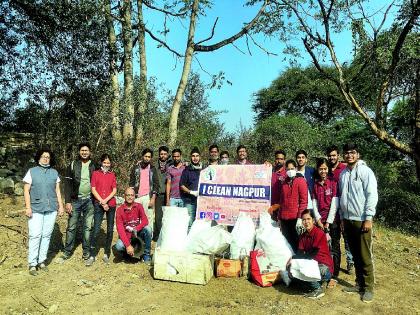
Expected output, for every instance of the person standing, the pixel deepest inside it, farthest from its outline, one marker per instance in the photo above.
(213, 155)
(78, 198)
(224, 158)
(42, 195)
(358, 200)
(163, 164)
(173, 177)
(277, 178)
(242, 155)
(145, 181)
(104, 188)
(304, 169)
(189, 184)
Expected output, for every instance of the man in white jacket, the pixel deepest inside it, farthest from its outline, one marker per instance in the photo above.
(358, 199)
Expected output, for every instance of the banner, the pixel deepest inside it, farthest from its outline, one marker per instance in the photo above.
(226, 190)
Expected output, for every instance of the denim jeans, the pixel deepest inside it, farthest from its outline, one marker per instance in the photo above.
(325, 276)
(97, 222)
(85, 207)
(145, 234)
(176, 202)
(40, 226)
(191, 205)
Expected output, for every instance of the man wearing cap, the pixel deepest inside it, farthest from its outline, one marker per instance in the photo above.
(358, 199)
(132, 221)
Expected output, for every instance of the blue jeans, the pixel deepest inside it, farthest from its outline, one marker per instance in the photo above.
(191, 205)
(85, 207)
(176, 202)
(40, 226)
(97, 222)
(145, 234)
(325, 276)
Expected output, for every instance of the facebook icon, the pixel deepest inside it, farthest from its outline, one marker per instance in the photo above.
(202, 215)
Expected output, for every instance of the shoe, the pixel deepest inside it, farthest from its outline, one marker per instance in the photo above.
(43, 267)
(353, 289)
(367, 297)
(350, 268)
(62, 258)
(105, 259)
(32, 271)
(86, 256)
(147, 260)
(316, 294)
(89, 262)
(332, 284)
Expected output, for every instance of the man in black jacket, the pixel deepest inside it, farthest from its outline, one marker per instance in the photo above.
(78, 199)
(144, 179)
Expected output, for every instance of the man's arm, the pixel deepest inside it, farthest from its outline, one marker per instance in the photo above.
(121, 229)
(143, 218)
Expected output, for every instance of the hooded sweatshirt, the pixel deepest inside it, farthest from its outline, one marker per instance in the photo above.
(358, 192)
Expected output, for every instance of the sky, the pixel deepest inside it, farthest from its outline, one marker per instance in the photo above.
(248, 74)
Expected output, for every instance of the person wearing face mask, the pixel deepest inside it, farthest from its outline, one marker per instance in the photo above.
(189, 184)
(173, 177)
(42, 195)
(104, 188)
(293, 200)
(277, 178)
(78, 198)
(145, 182)
(224, 158)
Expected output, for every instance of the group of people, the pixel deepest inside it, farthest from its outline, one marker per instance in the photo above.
(314, 207)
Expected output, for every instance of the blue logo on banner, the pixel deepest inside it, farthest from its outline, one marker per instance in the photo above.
(202, 215)
(216, 216)
(235, 191)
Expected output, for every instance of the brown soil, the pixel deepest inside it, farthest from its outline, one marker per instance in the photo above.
(130, 288)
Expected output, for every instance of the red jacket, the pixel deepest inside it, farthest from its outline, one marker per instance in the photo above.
(134, 217)
(324, 195)
(316, 241)
(293, 198)
(277, 178)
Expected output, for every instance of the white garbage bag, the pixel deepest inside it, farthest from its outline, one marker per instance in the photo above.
(305, 269)
(243, 236)
(213, 240)
(198, 227)
(173, 235)
(273, 243)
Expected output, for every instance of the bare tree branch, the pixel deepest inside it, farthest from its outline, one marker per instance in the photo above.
(166, 12)
(260, 47)
(211, 35)
(231, 39)
(163, 43)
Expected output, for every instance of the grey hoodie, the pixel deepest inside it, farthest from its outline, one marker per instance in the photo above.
(358, 193)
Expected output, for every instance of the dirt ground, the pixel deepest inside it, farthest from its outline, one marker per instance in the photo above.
(130, 288)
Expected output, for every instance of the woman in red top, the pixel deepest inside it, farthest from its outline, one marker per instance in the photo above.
(104, 188)
(313, 245)
(325, 202)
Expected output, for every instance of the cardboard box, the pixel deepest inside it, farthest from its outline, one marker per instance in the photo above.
(228, 268)
(183, 267)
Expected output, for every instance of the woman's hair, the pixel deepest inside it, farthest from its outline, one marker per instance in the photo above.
(307, 211)
(293, 162)
(41, 151)
(105, 156)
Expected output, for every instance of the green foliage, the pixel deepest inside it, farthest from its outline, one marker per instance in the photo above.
(302, 91)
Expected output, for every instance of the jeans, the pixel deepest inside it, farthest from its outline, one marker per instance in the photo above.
(335, 233)
(191, 205)
(145, 234)
(288, 229)
(150, 212)
(325, 276)
(41, 226)
(349, 256)
(97, 222)
(176, 202)
(85, 207)
(159, 203)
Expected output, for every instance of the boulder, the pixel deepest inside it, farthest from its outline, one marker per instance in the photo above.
(7, 186)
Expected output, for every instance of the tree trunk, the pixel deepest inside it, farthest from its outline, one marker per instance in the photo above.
(141, 107)
(417, 124)
(189, 52)
(113, 74)
(128, 71)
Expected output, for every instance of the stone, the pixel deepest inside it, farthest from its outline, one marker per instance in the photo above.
(18, 190)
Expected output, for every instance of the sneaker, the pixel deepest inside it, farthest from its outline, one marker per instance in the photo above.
(43, 267)
(62, 258)
(105, 259)
(86, 256)
(89, 262)
(147, 260)
(367, 297)
(353, 289)
(350, 268)
(32, 271)
(316, 294)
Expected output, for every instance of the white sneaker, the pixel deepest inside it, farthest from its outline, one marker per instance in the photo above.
(89, 262)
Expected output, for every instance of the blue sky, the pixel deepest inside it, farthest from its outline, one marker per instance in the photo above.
(247, 73)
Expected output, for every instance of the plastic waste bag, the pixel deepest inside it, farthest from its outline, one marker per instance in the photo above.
(198, 227)
(305, 269)
(213, 240)
(243, 236)
(173, 235)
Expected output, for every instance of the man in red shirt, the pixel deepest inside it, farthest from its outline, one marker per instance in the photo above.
(277, 178)
(132, 221)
